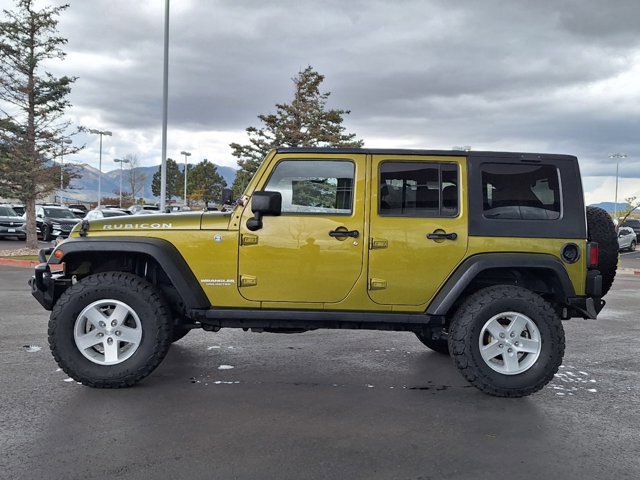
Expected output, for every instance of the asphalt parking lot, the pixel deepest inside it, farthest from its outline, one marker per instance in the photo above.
(324, 404)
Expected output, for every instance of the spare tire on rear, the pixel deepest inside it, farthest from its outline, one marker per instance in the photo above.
(600, 228)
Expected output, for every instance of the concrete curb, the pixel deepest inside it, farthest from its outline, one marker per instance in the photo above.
(10, 262)
(628, 271)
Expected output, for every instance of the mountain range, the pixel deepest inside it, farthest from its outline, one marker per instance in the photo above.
(85, 187)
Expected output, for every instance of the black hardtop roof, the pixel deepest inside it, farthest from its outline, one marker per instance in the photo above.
(450, 153)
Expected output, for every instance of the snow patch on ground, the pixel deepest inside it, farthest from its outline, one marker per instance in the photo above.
(225, 367)
(570, 381)
(31, 348)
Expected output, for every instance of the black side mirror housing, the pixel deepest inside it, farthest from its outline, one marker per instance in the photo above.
(264, 203)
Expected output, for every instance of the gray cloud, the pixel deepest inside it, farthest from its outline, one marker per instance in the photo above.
(558, 76)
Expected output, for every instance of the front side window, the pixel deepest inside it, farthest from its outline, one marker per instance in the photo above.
(418, 189)
(521, 192)
(314, 186)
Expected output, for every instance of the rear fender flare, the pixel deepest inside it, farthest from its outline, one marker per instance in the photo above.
(455, 286)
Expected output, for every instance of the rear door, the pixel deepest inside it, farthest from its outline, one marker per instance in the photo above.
(418, 226)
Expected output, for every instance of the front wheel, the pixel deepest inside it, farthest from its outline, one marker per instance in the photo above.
(46, 232)
(507, 341)
(632, 247)
(110, 330)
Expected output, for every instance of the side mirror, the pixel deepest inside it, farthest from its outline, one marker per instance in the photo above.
(226, 197)
(264, 203)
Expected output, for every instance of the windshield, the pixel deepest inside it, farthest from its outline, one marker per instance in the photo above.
(7, 211)
(58, 213)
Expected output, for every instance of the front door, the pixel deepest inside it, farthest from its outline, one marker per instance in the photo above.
(313, 251)
(418, 226)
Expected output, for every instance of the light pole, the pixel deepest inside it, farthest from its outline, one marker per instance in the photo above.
(186, 154)
(62, 143)
(101, 133)
(120, 161)
(617, 156)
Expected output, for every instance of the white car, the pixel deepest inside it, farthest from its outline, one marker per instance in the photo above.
(626, 239)
(104, 213)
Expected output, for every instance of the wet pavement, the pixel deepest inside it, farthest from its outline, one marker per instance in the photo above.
(321, 405)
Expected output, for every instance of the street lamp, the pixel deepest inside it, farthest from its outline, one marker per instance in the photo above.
(617, 156)
(101, 133)
(186, 154)
(62, 143)
(120, 161)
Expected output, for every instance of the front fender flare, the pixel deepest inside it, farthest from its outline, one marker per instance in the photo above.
(162, 251)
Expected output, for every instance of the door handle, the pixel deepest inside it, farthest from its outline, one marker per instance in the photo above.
(442, 236)
(344, 233)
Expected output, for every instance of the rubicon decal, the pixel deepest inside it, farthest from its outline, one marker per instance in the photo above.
(136, 226)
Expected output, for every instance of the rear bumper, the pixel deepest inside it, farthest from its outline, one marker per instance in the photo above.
(586, 307)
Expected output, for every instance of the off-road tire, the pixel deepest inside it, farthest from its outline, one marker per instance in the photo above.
(440, 345)
(600, 229)
(178, 332)
(464, 340)
(142, 297)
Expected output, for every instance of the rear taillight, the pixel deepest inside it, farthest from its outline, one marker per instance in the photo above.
(593, 254)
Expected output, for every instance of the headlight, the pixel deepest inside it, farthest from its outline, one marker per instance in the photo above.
(56, 226)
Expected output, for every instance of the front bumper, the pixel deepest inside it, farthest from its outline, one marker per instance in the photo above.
(47, 286)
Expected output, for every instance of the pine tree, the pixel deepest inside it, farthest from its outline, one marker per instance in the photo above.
(205, 183)
(305, 122)
(175, 180)
(32, 103)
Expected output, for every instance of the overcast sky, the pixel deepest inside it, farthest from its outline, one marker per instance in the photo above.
(558, 76)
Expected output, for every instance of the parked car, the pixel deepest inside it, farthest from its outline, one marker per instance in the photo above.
(11, 224)
(78, 212)
(634, 224)
(54, 221)
(18, 208)
(627, 239)
(97, 213)
(78, 206)
(134, 209)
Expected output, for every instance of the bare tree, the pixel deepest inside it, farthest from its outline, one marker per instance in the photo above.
(136, 178)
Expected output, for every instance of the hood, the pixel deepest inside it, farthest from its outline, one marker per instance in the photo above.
(15, 220)
(156, 222)
(65, 221)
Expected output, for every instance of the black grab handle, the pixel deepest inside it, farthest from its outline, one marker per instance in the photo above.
(344, 233)
(442, 236)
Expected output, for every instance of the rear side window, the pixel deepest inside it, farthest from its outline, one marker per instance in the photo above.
(521, 192)
(418, 189)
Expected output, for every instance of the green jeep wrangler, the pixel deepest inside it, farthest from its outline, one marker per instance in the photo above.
(480, 254)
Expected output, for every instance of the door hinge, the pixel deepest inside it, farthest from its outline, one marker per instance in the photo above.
(377, 284)
(248, 281)
(248, 239)
(376, 243)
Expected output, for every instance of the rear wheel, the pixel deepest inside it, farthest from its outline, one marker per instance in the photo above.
(439, 344)
(179, 332)
(507, 341)
(110, 330)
